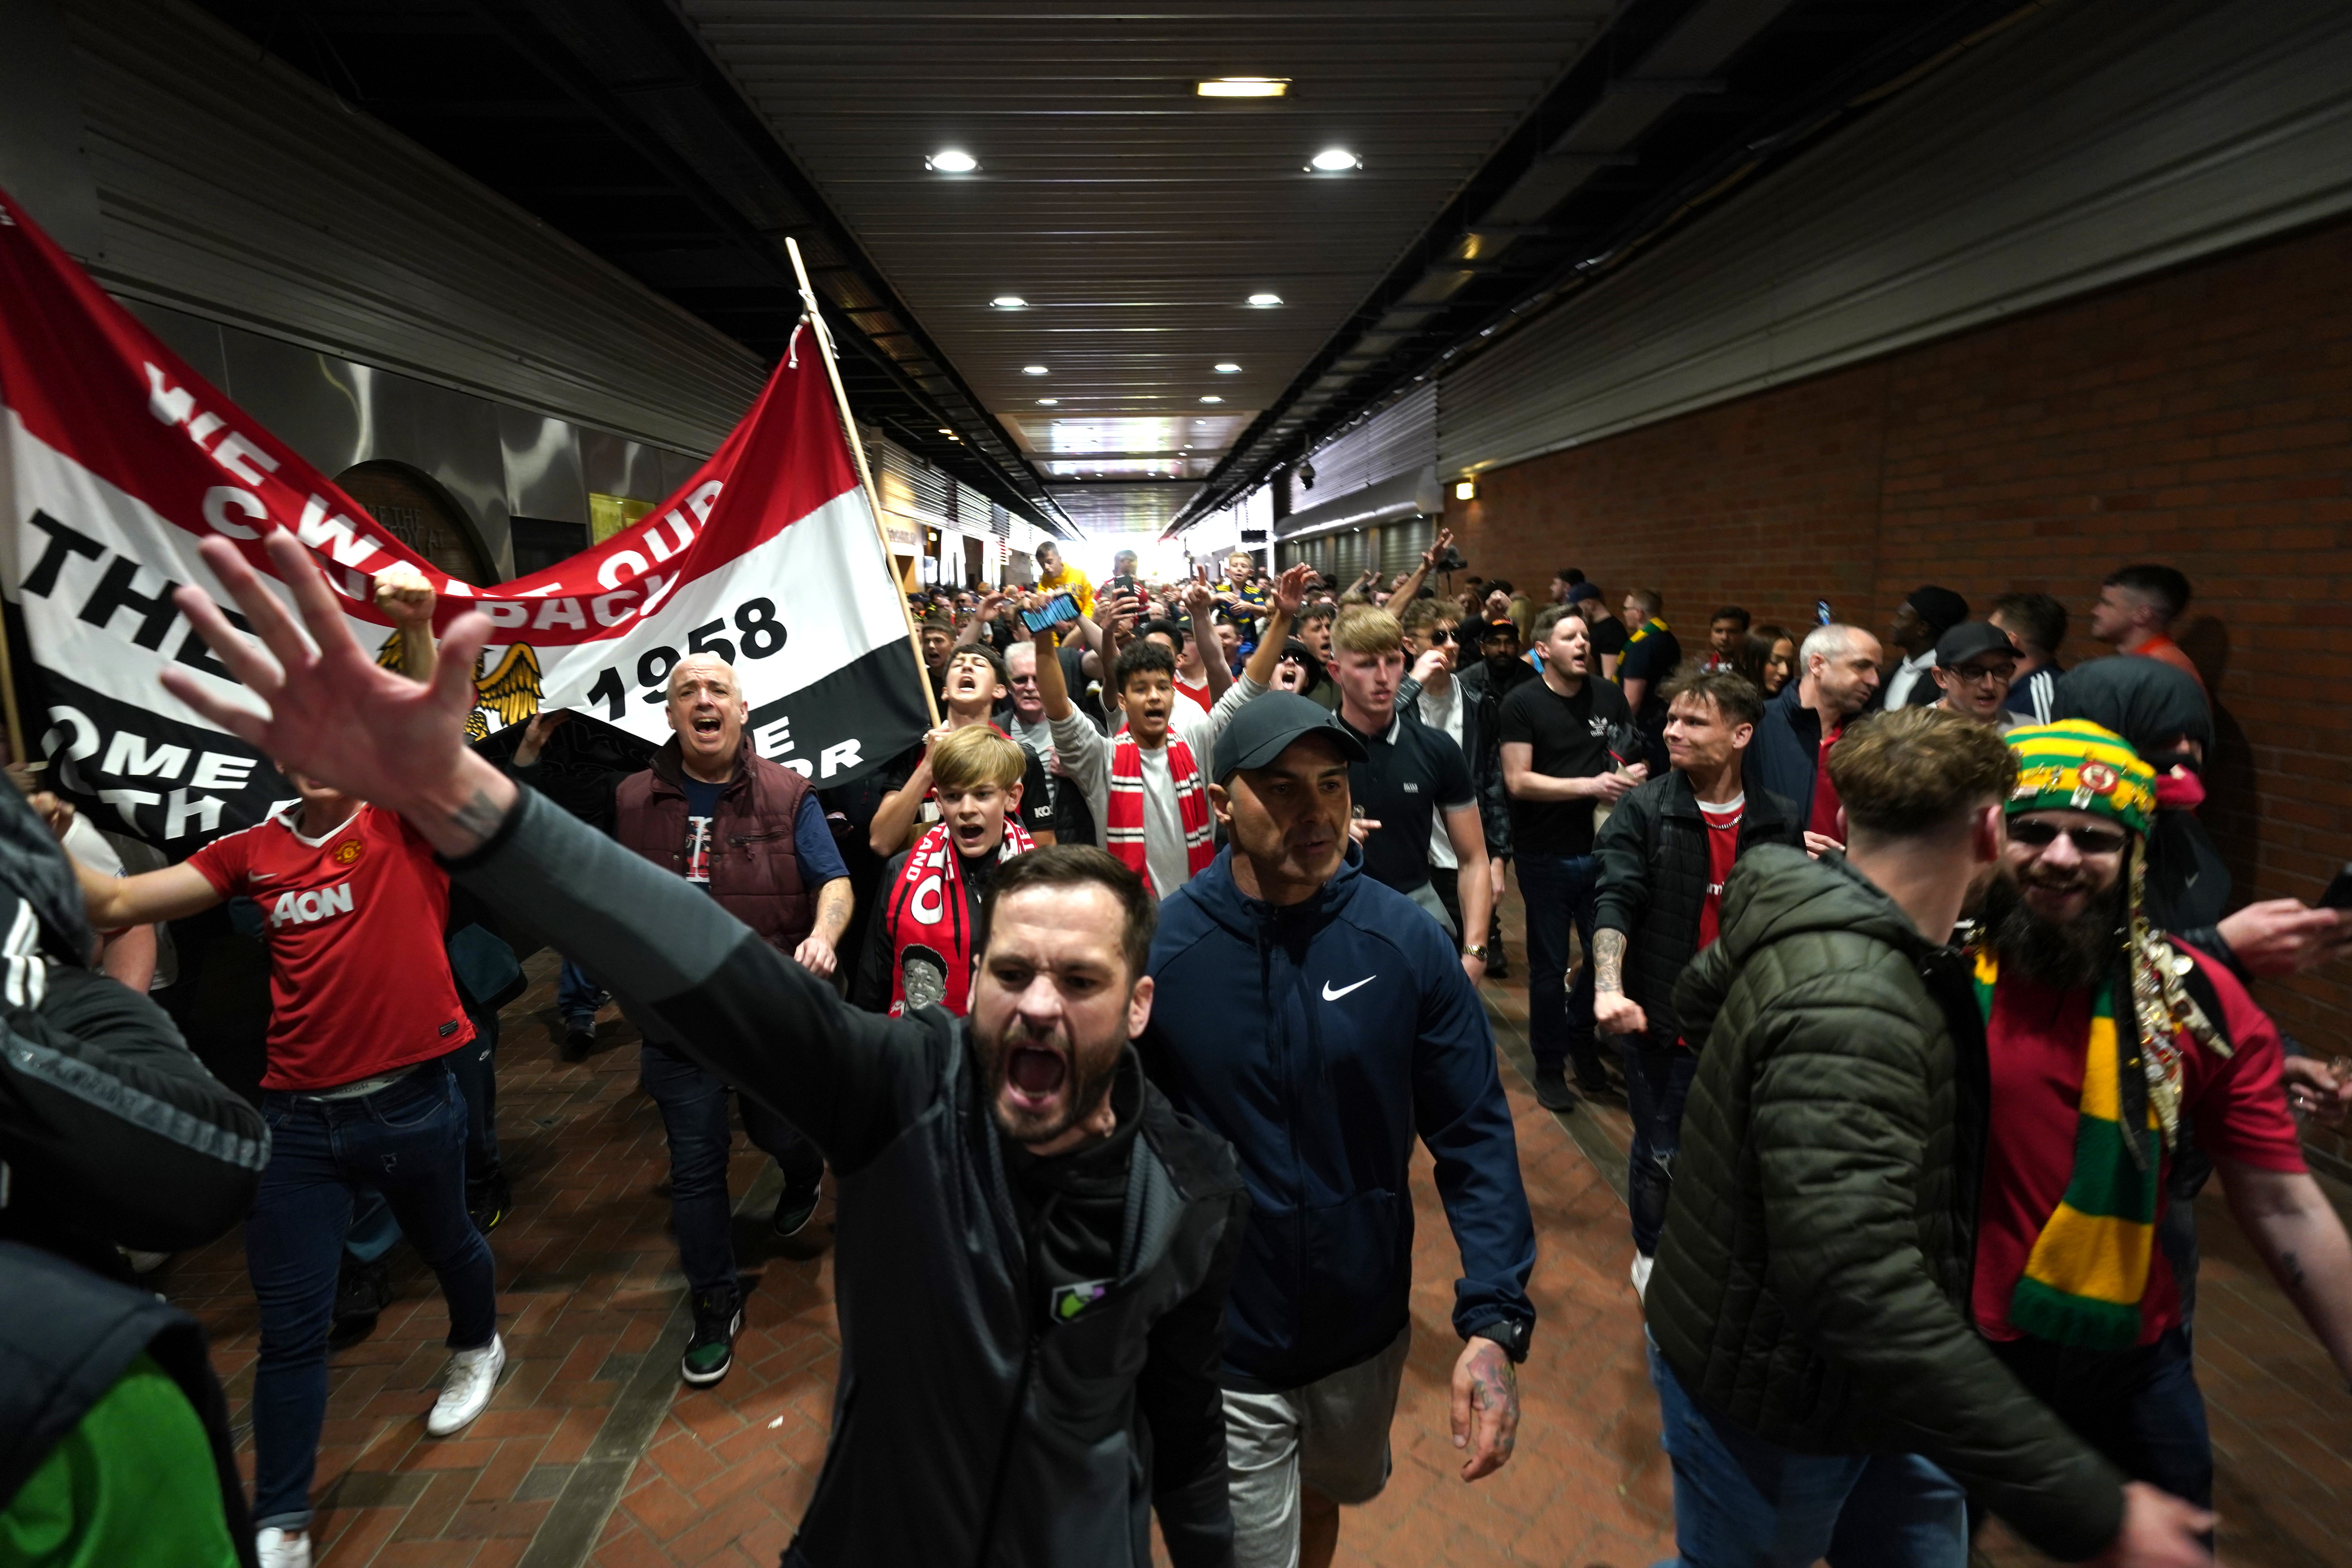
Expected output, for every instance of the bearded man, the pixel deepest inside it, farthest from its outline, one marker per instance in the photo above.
(1034, 1246)
(2115, 1050)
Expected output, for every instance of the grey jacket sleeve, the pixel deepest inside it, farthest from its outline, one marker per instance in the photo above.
(688, 969)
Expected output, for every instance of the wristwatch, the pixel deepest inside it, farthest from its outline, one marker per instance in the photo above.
(1474, 950)
(1511, 1334)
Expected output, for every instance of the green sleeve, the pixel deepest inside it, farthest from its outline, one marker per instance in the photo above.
(132, 1486)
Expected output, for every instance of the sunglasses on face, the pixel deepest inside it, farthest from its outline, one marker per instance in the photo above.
(2088, 840)
(1436, 636)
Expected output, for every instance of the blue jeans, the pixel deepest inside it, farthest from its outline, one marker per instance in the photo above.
(406, 1142)
(1657, 1084)
(693, 1104)
(1561, 892)
(475, 1066)
(577, 997)
(1741, 1502)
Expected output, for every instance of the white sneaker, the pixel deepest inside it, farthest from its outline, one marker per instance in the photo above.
(466, 1388)
(1642, 1263)
(282, 1548)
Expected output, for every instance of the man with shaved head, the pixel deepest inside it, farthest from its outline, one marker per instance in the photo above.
(750, 833)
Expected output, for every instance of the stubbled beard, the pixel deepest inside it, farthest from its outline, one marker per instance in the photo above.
(1091, 1073)
(2063, 954)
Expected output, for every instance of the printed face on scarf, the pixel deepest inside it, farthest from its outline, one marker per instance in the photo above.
(975, 815)
(707, 709)
(1052, 1010)
(972, 684)
(1147, 697)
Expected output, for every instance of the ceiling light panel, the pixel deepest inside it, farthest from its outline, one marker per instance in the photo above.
(951, 160)
(1335, 160)
(1134, 208)
(1245, 87)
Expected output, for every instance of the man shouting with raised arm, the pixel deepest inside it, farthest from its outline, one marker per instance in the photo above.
(1034, 1248)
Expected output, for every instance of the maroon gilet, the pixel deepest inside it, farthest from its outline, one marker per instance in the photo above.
(755, 872)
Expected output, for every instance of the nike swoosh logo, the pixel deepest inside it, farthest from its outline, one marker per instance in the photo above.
(1331, 995)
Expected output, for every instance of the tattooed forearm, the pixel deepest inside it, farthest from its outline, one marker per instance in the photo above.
(479, 818)
(1609, 961)
(834, 903)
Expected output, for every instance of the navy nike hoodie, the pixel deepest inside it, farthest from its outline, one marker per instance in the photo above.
(1320, 1038)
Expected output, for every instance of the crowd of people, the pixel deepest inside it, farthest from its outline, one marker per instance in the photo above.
(1116, 1004)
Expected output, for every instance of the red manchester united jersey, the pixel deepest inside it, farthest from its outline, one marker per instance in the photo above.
(358, 979)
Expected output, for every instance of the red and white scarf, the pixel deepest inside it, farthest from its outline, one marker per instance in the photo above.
(928, 910)
(1123, 832)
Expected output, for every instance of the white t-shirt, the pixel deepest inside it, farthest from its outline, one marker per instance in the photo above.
(1443, 713)
(1906, 677)
(1084, 757)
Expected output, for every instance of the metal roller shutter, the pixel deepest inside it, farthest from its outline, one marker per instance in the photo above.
(2091, 144)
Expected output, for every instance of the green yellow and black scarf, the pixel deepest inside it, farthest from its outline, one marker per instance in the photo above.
(2088, 1270)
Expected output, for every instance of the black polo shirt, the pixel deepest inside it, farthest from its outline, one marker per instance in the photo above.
(1409, 772)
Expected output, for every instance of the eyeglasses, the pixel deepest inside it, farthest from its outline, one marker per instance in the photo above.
(1978, 674)
(1439, 634)
(2090, 840)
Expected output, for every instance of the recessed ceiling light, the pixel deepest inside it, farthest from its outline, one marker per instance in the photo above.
(1010, 302)
(1264, 299)
(951, 160)
(1245, 87)
(945, 431)
(1047, 402)
(1229, 368)
(1336, 160)
(1212, 397)
(1032, 370)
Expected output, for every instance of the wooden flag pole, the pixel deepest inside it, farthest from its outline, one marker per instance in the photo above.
(8, 695)
(865, 476)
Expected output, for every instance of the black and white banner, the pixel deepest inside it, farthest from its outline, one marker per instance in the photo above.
(116, 458)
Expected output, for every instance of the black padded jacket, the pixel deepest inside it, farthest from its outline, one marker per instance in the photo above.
(1654, 878)
(979, 1419)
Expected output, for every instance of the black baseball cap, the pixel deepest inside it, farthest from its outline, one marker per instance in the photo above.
(1498, 627)
(1263, 728)
(1972, 639)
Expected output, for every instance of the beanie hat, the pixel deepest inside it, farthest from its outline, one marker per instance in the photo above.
(2076, 765)
(1940, 607)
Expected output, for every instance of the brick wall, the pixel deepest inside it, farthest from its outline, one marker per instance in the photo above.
(2203, 419)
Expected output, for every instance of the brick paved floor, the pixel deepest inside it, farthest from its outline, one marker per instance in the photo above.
(590, 1280)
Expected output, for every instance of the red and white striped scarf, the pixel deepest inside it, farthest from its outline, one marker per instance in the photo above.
(926, 912)
(1123, 832)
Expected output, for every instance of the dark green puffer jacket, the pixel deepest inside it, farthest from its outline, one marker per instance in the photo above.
(1812, 1284)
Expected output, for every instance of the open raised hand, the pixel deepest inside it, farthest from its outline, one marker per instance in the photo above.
(333, 713)
(1290, 588)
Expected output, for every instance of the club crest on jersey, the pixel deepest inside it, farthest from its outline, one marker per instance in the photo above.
(305, 908)
(348, 852)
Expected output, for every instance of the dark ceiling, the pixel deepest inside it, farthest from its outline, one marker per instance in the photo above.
(1511, 149)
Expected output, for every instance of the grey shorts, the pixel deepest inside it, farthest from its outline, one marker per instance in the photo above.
(1332, 1436)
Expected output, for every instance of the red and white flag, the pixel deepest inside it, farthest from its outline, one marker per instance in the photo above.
(116, 458)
